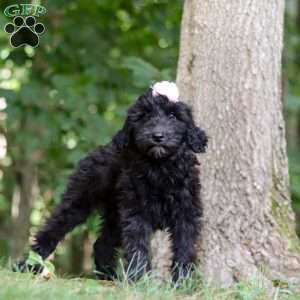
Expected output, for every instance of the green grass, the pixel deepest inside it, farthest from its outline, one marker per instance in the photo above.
(17, 286)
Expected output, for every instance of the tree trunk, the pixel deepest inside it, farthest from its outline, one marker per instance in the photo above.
(22, 202)
(230, 71)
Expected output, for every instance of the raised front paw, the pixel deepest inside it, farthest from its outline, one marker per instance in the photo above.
(24, 31)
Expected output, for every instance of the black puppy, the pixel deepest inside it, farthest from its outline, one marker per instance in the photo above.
(145, 179)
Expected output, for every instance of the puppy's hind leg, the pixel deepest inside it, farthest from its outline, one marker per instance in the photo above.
(74, 208)
(105, 249)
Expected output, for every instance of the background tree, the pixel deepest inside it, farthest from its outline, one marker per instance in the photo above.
(230, 70)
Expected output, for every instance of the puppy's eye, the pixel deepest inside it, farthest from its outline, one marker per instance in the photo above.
(138, 117)
(172, 116)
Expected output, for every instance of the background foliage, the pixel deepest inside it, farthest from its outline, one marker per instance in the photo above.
(291, 99)
(60, 100)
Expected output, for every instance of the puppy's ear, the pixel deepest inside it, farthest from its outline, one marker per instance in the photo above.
(197, 139)
(122, 137)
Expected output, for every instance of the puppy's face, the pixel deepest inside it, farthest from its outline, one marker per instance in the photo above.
(158, 127)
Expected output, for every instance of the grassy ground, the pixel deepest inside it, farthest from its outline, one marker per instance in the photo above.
(17, 286)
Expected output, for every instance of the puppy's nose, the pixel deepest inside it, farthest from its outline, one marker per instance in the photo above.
(157, 137)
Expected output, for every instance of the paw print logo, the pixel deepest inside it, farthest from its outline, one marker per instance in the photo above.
(24, 31)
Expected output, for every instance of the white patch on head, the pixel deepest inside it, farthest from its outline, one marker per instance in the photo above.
(167, 89)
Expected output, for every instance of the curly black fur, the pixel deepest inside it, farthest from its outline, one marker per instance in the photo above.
(145, 179)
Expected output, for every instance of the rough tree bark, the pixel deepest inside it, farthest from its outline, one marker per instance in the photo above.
(230, 70)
